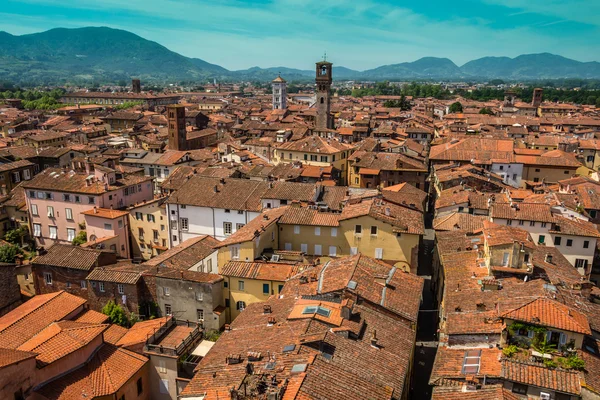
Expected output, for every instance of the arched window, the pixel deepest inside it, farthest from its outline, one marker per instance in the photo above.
(322, 100)
(240, 306)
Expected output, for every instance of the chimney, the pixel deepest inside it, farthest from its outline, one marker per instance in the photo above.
(216, 189)
(95, 210)
(266, 309)
(387, 211)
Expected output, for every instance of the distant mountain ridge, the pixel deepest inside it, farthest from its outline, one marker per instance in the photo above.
(100, 54)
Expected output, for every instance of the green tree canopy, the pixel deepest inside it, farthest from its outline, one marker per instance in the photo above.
(9, 253)
(456, 107)
(116, 314)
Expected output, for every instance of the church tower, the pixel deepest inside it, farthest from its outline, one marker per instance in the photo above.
(323, 91)
(279, 86)
(177, 131)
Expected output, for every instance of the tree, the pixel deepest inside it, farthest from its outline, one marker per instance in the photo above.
(116, 314)
(456, 107)
(9, 252)
(16, 236)
(486, 111)
(80, 239)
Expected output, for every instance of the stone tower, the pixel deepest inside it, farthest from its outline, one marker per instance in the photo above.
(177, 131)
(537, 97)
(279, 93)
(136, 86)
(323, 81)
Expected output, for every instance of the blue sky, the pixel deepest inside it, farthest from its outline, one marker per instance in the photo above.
(357, 34)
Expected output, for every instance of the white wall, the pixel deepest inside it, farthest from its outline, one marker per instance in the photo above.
(507, 172)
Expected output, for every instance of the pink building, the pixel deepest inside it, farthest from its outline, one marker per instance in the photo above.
(57, 199)
(108, 229)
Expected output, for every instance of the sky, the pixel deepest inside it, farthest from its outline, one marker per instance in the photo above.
(358, 34)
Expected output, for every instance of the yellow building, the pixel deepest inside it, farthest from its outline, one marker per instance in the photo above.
(589, 154)
(253, 282)
(316, 151)
(375, 228)
(149, 228)
(549, 167)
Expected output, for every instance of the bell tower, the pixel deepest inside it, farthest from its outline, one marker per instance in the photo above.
(323, 92)
(177, 130)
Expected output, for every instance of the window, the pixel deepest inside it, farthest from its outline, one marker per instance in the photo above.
(108, 226)
(150, 218)
(209, 266)
(227, 228)
(332, 251)
(69, 214)
(543, 224)
(53, 232)
(121, 288)
(120, 224)
(168, 310)
(557, 240)
(303, 248)
(139, 216)
(140, 387)
(324, 159)
(234, 251)
(238, 226)
(531, 223)
(166, 291)
(373, 231)
(586, 244)
(199, 296)
(537, 170)
(505, 258)
(297, 229)
(227, 211)
(521, 222)
(241, 212)
(68, 284)
(509, 222)
(200, 314)
(318, 250)
(184, 224)
(48, 278)
(379, 253)
(70, 234)
(317, 231)
(333, 232)
(66, 197)
(519, 388)
(91, 200)
(83, 284)
(16, 177)
(569, 242)
(526, 258)
(50, 212)
(353, 251)
(240, 305)
(37, 230)
(32, 194)
(34, 210)
(101, 286)
(241, 285)
(266, 289)
(541, 239)
(581, 263)
(77, 199)
(357, 229)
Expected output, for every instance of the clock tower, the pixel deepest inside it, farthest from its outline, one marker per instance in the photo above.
(323, 93)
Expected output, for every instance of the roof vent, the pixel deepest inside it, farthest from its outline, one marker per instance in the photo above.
(267, 309)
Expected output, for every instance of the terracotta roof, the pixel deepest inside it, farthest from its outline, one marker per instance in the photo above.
(522, 211)
(551, 313)
(267, 271)
(401, 218)
(405, 194)
(69, 256)
(105, 213)
(141, 331)
(460, 392)
(255, 227)
(11, 356)
(185, 255)
(103, 375)
(122, 272)
(33, 316)
(449, 363)
(459, 221)
(308, 216)
(60, 339)
(316, 144)
(91, 317)
(233, 194)
(540, 376)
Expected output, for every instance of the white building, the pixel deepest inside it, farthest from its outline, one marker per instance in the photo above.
(213, 206)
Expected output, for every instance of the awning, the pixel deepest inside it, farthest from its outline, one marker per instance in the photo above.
(203, 348)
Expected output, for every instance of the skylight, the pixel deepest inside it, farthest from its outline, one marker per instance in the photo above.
(325, 312)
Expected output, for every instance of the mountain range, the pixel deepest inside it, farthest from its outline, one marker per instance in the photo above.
(100, 54)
